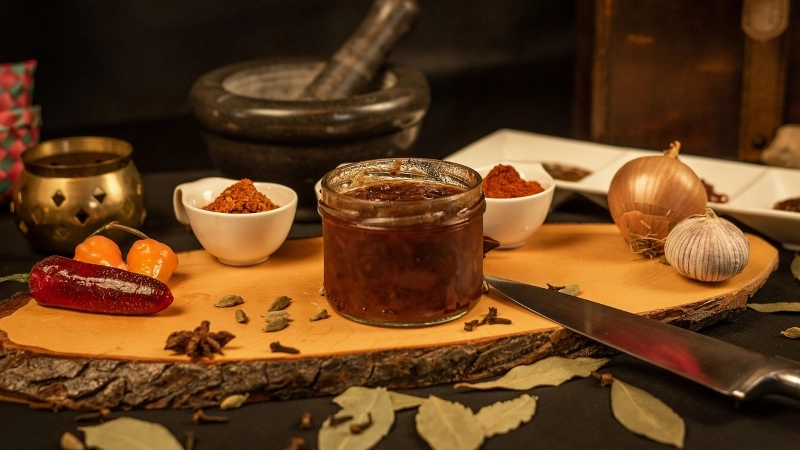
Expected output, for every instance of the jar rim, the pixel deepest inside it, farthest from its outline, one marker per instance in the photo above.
(368, 213)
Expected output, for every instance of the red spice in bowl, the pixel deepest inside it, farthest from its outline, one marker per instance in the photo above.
(505, 182)
(241, 198)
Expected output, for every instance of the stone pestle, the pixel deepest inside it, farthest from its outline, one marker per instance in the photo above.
(354, 64)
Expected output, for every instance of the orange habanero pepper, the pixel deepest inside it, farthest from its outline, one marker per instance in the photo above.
(146, 256)
(150, 257)
(100, 250)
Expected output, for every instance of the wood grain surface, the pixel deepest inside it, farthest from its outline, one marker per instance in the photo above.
(80, 360)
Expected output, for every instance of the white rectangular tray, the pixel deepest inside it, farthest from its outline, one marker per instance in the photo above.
(752, 189)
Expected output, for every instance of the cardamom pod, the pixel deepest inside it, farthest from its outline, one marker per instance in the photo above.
(280, 303)
(233, 401)
(276, 324)
(322, 313)
(229, 300)
(241, 317)
(272, 315)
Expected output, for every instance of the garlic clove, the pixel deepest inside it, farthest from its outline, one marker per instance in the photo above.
(707, 248)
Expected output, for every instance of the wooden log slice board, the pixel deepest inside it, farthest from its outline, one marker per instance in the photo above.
(81, 360)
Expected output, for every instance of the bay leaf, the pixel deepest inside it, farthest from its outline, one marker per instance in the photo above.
(775, 307)
(399, 400)
(448, 425)
(551, 371)
(793, 332)
(69, 441)
(374, 404)
(571, 289)
(126, 433)
(795, 266)
(502, 417)
(643, 414)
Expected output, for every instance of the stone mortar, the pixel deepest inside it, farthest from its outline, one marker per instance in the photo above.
(255, 126)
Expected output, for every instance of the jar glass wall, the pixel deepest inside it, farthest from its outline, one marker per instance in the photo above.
(403, 240)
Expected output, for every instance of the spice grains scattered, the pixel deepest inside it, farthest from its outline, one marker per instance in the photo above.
(504, 181)
(241, 198)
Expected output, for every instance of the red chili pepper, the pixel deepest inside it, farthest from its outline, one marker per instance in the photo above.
(66, 283)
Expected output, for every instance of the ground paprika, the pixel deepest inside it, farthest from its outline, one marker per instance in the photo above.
(241, 198)
(504, 181)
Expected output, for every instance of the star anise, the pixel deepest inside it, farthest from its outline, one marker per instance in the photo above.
(198, 343)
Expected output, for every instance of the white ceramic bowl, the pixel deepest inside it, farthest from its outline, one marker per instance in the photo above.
(235, 239)
(511, 221)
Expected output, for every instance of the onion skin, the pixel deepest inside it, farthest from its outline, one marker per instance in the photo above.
(649, 195)
(707, 248)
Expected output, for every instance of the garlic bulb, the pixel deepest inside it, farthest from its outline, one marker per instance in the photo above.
(649, 195)
(707, 248)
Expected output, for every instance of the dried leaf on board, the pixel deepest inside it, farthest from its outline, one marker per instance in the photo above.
(643, 414)
(550, 371)
(571, 289)
(374, 407)
(502, 417)
(355, 393)
(775, 307)
(793, 332)
(127, 432)
(795, 266)
(448, 425)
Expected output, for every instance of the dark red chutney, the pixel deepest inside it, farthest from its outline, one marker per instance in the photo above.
(407, 275)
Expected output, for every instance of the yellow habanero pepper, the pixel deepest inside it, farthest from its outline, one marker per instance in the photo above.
(100, 250)
(152, 258)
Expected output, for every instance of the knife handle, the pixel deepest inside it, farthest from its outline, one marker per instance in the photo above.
(777, 376)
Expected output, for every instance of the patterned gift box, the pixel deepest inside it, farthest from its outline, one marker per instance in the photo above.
(16, 84)
(19, 130)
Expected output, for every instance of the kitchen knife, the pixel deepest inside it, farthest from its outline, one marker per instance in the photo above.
(719, 365)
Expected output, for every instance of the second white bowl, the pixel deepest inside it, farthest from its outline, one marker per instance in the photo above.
(511, 221)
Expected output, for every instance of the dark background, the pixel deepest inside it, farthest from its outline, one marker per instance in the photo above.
(124, 68)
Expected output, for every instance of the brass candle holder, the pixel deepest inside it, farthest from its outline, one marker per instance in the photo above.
(70, 187)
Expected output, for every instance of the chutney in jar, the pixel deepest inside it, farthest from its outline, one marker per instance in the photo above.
(403, 241)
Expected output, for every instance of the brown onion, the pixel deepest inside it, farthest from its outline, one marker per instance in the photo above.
(649, 195)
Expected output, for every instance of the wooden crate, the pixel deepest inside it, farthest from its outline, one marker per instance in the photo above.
(653, 71)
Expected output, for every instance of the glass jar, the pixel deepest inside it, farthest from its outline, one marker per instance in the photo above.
(403, 240)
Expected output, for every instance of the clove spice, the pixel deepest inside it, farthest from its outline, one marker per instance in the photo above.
(468, 326)
(189, 439)
(489, 319)
(101, 416)
(305, 421)
(334, 420)
(297, 443)
(357, 428)
(605, 378)
(200, 417)
(276, 347)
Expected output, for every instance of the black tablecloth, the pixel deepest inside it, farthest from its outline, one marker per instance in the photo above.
(574, 415)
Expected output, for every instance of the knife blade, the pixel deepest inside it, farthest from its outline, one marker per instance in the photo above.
(719, 365)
